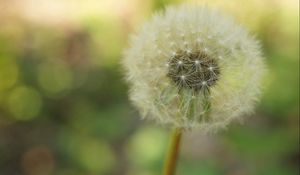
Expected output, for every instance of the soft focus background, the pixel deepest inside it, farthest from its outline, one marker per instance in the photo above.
(63, 100)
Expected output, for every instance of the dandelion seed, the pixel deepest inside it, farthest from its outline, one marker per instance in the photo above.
(173, 54)
(182, 77)
(199, 40)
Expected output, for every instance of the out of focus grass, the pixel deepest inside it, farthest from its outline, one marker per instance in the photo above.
(63, 100)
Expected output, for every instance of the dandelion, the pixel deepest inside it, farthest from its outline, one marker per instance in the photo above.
(192, 67)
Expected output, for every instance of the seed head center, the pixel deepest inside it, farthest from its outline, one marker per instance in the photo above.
(194, 70)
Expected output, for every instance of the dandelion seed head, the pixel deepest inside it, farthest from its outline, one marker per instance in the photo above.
(213, 69)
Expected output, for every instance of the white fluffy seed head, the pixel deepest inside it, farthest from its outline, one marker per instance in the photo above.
(217, 75)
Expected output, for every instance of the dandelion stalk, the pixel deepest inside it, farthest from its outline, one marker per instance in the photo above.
(172, 156)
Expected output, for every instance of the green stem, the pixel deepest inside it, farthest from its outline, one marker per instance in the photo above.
(171, 159)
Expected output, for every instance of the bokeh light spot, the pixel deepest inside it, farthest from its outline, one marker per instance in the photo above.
(93, 155)
(147, 146)
(96, 156)
(24, 103)
(54, 78)
(38, 161)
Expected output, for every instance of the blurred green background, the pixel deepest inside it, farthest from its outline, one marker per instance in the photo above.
(64, 108)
